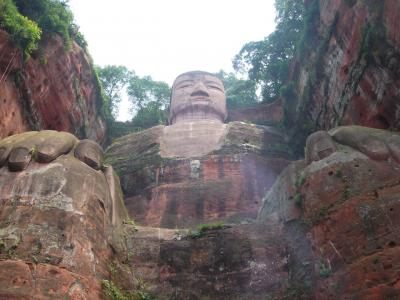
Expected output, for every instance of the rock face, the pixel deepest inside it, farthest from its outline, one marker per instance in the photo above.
(225, 184)
(263, 113)
(59, 226)
(220, 264)
(327, 227)
(346, 199)
(347, 73)
(56, 90)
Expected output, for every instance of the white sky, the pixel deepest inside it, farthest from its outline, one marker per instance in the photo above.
(166, 38)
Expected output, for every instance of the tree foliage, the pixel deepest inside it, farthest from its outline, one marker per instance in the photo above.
(239, 92)
(150, 99)
(52, 16)
(150, 115)
(144, 90)
(113, 79)
(267, 61)
(23, 31)
(28, 21)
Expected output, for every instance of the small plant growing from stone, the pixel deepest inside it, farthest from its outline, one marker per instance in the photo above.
(33, 153)
(179, 234)
(131, 222)
(325, 269)
(111, 291)
(338, 174)
(298, 199)
(300, 180)
(112, 268)
(202, 228)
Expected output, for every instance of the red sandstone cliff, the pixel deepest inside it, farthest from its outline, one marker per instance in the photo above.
(347, 71)
(55, 89)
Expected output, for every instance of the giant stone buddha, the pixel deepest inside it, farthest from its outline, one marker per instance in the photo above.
(63, 222)
(197, 169)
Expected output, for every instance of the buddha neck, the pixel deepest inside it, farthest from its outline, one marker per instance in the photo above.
(193, 116)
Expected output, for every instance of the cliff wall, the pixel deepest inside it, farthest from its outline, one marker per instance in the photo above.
(54, 89)
(347, 69)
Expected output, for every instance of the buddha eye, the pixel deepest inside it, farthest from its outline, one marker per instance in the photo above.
(214, 87)
(184, 86)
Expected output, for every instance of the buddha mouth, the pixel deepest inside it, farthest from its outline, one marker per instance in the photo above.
(200, 99)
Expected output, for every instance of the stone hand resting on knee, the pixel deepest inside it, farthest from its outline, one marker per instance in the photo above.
(377, 144)
(45, 146)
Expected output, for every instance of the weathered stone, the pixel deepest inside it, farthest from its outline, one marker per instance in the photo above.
(14, 141)
(197, 96)
(27, 280)
(279, 203)
(43, 146)
(348, 71)
(60, 94)
(260, 113)
(348, 207)
(191, 139)
(90, 153)
(51, 144)
(226, 184)
(220, 264)
(19, 159)
(375, 143)
(59, 227)
(197, 169)
(318, 146)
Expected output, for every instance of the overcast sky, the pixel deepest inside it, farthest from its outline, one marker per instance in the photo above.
(166, 38)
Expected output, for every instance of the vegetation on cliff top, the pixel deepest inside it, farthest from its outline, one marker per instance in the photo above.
(149, 98)
(239, 92)
(267, 61)
(24, 32)
(29, 21)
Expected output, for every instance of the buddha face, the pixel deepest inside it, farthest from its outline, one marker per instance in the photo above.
(197, 95)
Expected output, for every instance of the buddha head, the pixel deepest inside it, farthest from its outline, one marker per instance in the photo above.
(197, 96)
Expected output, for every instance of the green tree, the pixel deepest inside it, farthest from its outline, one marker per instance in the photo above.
(52, 16)
(113, 80)
(24, 32)
(150, 115)
(267, 61)
(150, 99)
(143, 90)
(239, 92)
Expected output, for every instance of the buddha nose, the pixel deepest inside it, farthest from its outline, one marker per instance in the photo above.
(199, 89)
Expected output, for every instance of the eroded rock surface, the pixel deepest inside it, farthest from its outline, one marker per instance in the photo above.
(225, 183)
(220, 264)
(347, 202)
(261, 113)
(59, 225)
(347, 71)
(55, 90)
